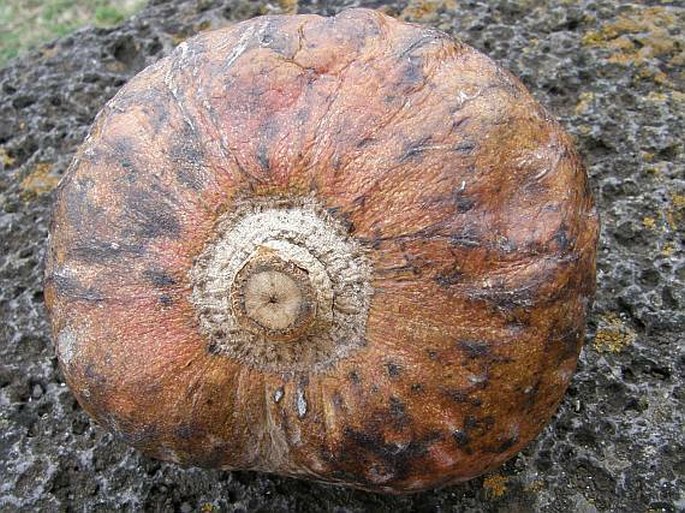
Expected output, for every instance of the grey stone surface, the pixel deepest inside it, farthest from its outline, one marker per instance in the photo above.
(613, 72)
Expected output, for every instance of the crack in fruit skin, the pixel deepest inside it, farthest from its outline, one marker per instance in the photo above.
(349, 249)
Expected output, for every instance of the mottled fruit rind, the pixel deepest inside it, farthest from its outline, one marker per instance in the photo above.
(438, 225)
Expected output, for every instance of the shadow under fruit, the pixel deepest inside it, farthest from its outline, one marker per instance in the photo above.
(349, 249)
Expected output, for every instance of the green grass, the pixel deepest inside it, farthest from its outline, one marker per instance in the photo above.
(25, 24)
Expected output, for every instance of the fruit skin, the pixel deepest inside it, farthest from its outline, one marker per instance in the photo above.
(466, 200)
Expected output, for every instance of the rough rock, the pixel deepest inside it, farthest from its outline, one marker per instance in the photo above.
(612, 72)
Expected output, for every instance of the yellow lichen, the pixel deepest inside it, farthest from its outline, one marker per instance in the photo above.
(678, 97)
(613, 335)
(639, 36)
(426, 11)
(585, 129)
(288, 6)
(675, 213)
(584, 103)
(655, 75)
(202, 26)
(649, 21)
(178, 38)
(6, 160)
(535, 486)
(657, 97)
(668, 249)
(39, 181)
(495, 485)
(657, 170)
(678, 201)
(649, 222)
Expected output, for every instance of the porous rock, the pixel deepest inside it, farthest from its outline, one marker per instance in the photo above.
(613, 75)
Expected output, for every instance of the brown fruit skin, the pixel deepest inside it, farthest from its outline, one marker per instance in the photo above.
(468, 200)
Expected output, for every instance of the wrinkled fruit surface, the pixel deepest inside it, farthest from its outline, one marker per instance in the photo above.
(348, 248)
